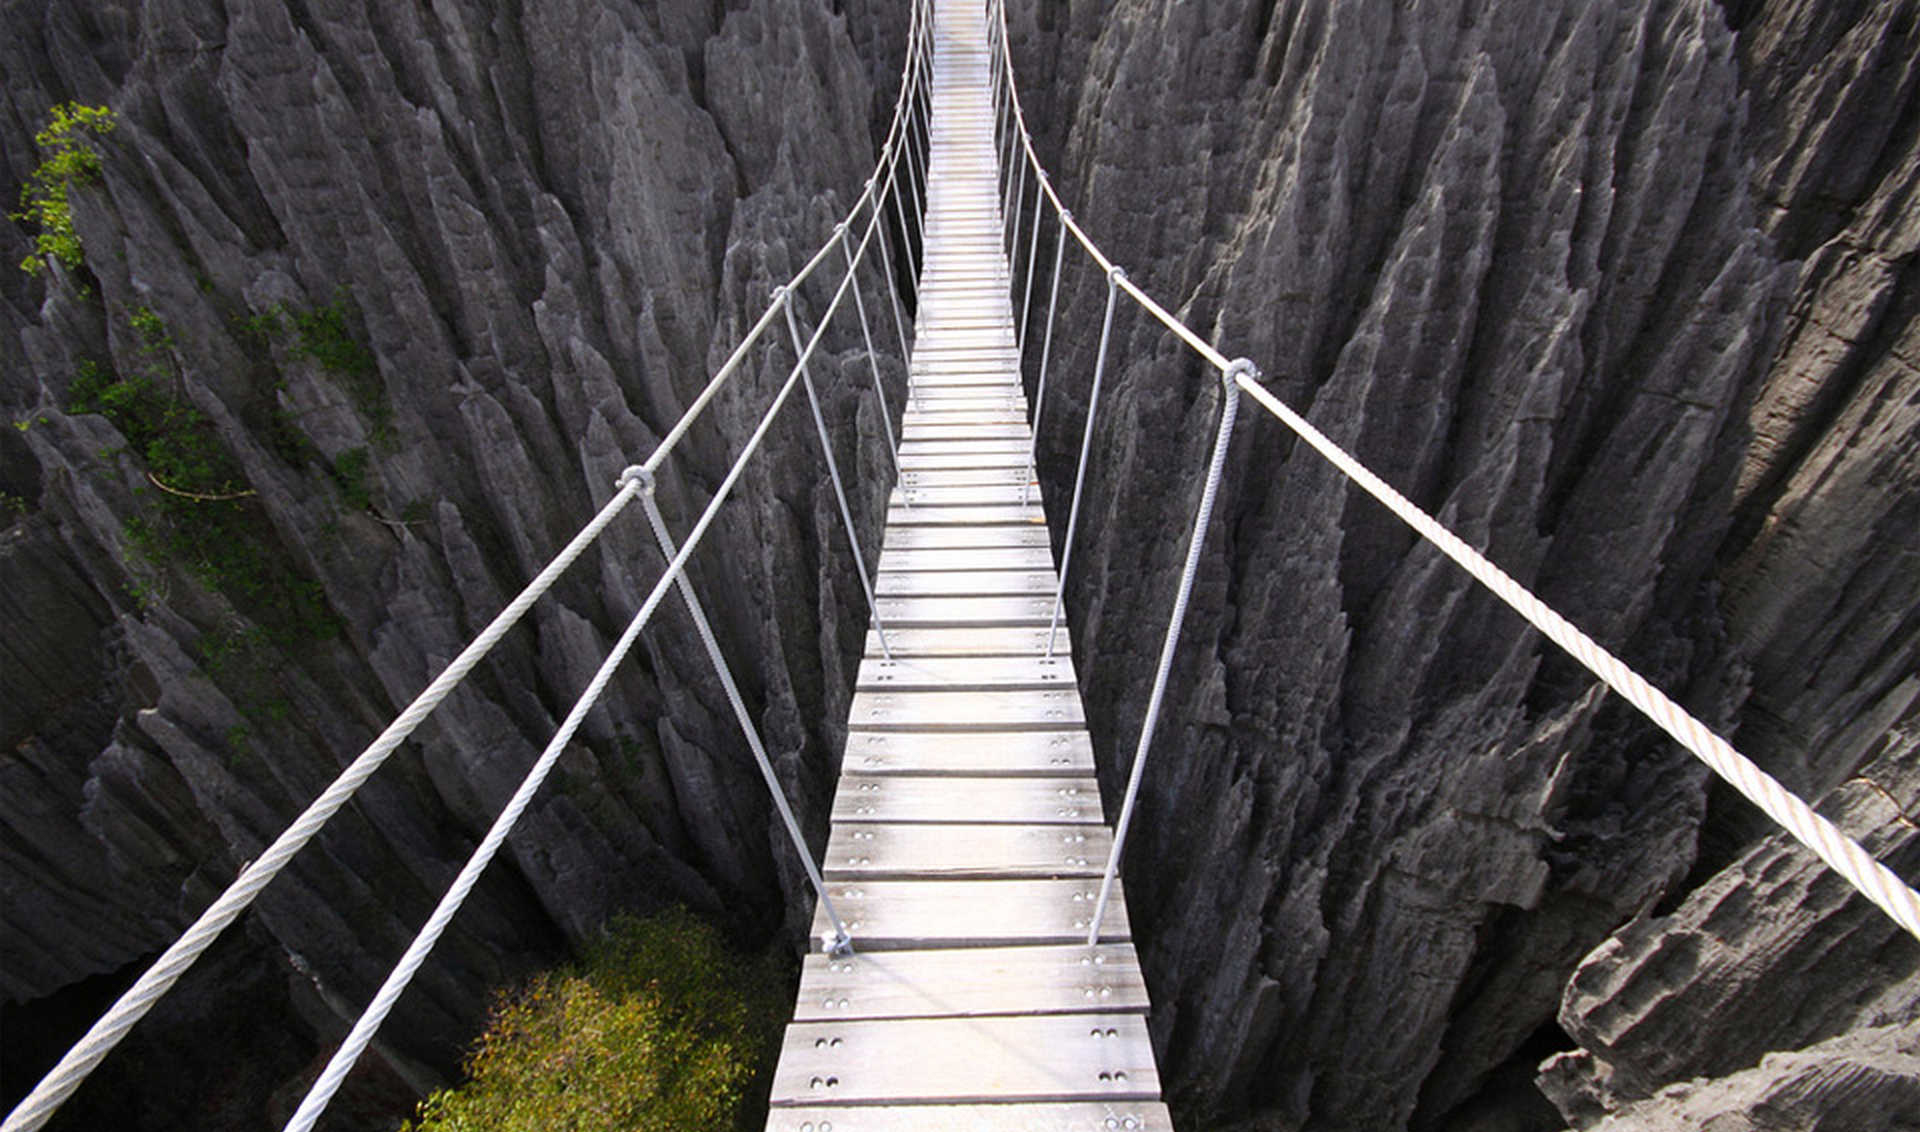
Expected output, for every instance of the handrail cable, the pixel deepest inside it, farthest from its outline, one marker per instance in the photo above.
(403, 972)
(1879, 884)
(60, 1082)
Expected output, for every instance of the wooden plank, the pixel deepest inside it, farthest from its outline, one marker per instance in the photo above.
(971, 982)
(954, 558)
(968, 495)
(945, 710)
(1016, 430)
(966, 515)
(967, 582)
(1016, 475)
(969, 640)
(950, 753)
(959, 1060)
(955, 538)
(895, 915)
(959, 673)
(971, 851)
(962, 612)
(988, 801)
(1004, 458)
(1083, 1116)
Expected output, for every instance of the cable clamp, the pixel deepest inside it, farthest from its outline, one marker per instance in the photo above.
(1116, 275)
(640, 474)
(1237, 369)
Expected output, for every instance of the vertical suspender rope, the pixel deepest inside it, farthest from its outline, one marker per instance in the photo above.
(873, 363)
(1033, 250)
(906, 231)
(1046, 353)
(1229, 408)
(1114, 276)
(842, 940)
(785, 297)
(893, 298)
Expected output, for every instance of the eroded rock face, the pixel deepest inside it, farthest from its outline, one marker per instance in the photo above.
(1624, 296)
(547, 223)
(1534, 264)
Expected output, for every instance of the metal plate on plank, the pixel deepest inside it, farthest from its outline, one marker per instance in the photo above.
(963, 612)
(998, 709)
(1082, 1116)
(1008, 801)
(966, 673)
(965, 982)
(895, 915)
(1039, 1058)
(969, 640)
(930, 582)
(963, 851)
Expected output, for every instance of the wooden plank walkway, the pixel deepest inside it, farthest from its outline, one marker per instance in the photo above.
(968, 835)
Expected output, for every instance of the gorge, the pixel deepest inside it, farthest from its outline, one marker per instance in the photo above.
(1626, 293)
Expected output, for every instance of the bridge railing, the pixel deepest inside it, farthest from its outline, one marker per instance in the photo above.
(886, 211)
(1020, 165)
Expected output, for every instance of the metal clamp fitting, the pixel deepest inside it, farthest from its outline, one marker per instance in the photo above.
(779, 295)
(1237, 369)
(1116, 275)
(640, 474)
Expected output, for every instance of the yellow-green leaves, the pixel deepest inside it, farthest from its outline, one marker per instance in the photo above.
(68, 159)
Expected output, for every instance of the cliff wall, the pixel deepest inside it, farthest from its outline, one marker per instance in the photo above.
(1624, 292)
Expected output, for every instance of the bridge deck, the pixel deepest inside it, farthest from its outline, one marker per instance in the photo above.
(968, 835)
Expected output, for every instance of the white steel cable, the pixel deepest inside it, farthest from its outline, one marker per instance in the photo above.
(1026, 301)
(1040, 387)
(66, 1076)
(873, 362)
(1879, 884)
(833, 472)
(1239, 370)
(357, 1040)
(73, 1068)
(1114, 277)
(630, 483)
(1841, 853)
(909, 76)
(842, 940)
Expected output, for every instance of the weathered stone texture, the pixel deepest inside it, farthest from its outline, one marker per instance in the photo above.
(549, 223)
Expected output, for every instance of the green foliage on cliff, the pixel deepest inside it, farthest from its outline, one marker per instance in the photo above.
(202, 517)
(660, 1027)
(324, 334)
(68, 160)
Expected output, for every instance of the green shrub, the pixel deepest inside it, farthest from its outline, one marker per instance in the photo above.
(69, 160)
(659, 1028)
(202, 517)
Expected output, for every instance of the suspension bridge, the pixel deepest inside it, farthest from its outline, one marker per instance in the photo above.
(973, 965)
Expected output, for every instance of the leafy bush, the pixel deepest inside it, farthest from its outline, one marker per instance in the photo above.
(202, 518)
(69, 161)
(659, 1028)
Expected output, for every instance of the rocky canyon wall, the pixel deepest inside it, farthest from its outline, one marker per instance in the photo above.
(1623, 293)
(431, 275)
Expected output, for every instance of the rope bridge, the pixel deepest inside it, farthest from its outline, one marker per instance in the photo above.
(967, 736)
